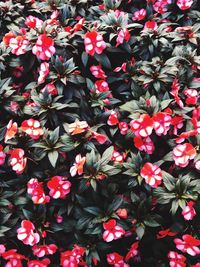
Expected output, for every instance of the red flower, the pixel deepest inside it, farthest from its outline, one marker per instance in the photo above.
(8, 36)
(35, 189)
(51, 89)
(78, 165)
(184, 4)
(43, 72)
(97, 72)
(36, 263)
(102, 86)
(72, 258)
(175, 90)
(112, 231)
(192, 96)
(32, 128)
(117, 157)
(43, 250)
(189, 212)
(19, 45)
(14, 259)
(123, 35)
(11, 130)
(113, 118)
(188, 245)
(152, 174)
(33, 22)
(116, 260)
(44, 47)
(139, 15)
(163, 233)
(18, 162)
(144, 144)
(183, 153)
(123, 126)
(59, 187)
(101, 138)
(133, 251)
(143, 126)
(160, 6)
(94, 43)
(176, 260)
(2, 155)
(151, 24)
(122, 213)
(161, 123)
(26, 233)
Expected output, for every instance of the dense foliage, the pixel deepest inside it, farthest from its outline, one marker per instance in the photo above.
(99, 132)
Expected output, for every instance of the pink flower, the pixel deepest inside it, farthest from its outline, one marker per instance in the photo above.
(44, 47)
(102, 86)
(33, 22)
(183, 153)
(117, 157)
(100, 138)
(176, 260)
(189, 212)
(43, 72)
(51, 89)
(122, 213)
(26, 233)
(161, 123)
(94, 43)
(174, 91)
(123, 126)
(112, 231)
(143, 126)
(2, 155)
(122, 67)
(116, 260)
(59, 187)
(43, 250)
(113, 118)
(139, 15)
(17, 160)
(192, 96)
(11, 130)
(188, 245)
(78, 165)
(19, 45)
(152, 174)
(160, 6)
(36, 263)
(133, 251)
(144, 144)
(14, 258)
(97, 72)
(72, 258)
(184, 4)
(32, 128)
(2, 249)
(35, 189)
(150, 24)
(123, 35)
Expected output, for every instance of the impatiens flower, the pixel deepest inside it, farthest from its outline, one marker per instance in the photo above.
(161, 123)
(43, 72)
(101, 138)
(39, 263)
(118, 157)
(32, 128)
(2, 155)
(163, 233)
(188, 244)
(77, 127)
(17, 160)
(123, 126)
(144, 144)
(152, 174)
(143, 126)
(8, 36)
(14, 258)
(184, 4)
(43, 250)
(122, 67)
(122, 213)
(97, 72)
(122, 36)
(26, 233)
(94, 43)
(35, 189)
(116, 260)
(189, 212)
(70, 258)
(33, 22)
(192, 96)
(19, 45)
(59, 187)
(176, 260)
(174, 91)
(2, 249)
(113, 118)
(44, 47)
(139, 15)
(112, 231)
(51, 89)
(151, 24)
(133, 251)
(177, 123)
(183, 153)
(78, 165)
(102, 86)
(160, 6)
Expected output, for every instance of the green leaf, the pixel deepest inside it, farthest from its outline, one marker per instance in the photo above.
(53, 157)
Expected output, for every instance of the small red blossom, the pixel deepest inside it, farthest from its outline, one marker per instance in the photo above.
(19, 45)
(35, 189)
(189, 212)
(43, 250)
(123, 126)
(123, 35)
(163, 233)
(102, 86)
(117, 157)
(78, 165)
(143, 126)
(33, 22)
(112, 231)
(122, 213)
(113, 118)
(39, 263)
(116, 260)
(72, 258)
(59, 187)
(97, 72)
(17, 160)
(51, 89)
(26, 233)
(151, 24)
(176, 260)
(94, 43)
(184, 4)
(183, 153)
(174, 91)
(139, 15)
(152, 174)
(191, 96)
(44, 47)
(133, 251)
(100, 138)
(161, 123)
(144, 144)
(32, 128)
(188, 244)
(43, 72)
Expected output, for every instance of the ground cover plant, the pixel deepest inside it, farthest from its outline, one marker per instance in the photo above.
(99, 132)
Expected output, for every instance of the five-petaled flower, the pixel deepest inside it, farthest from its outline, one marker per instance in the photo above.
(189, 212)
(26, 233)
(59, 187)
(152, 174)
(35, 189)
(112, 231)
(17, 160)
(143, 126)
(32, 128)
(184, 4)
(176, 260)
(94, 43)
(183, 153)
(188, 244)
(44, 47)
(43, 250)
